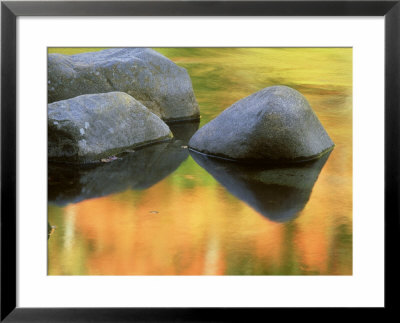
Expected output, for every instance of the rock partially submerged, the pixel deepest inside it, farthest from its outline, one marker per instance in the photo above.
(274, 124)
(92, 127)
(151, 78)
(136, 170)
(279, 193)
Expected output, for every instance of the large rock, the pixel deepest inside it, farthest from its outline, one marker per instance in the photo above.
(136, 170)
(274, 124)
(154, 80)
(279, 193)
(91, 127)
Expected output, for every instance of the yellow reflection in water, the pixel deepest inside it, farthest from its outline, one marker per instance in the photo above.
(188, 224)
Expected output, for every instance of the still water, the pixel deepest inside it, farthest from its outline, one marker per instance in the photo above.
(165, 211)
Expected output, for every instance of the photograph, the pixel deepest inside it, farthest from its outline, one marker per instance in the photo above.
(200, 161)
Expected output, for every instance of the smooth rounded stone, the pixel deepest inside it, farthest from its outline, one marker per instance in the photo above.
(151, 78)
(91, 127)
(274, 124)
(279, 193)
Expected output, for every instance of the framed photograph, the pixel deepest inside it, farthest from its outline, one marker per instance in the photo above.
(197, 160)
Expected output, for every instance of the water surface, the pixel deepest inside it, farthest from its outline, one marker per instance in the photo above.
(162, 211)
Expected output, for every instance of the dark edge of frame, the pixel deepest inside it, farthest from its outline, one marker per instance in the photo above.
(10, 11)
(202, 8)
(8, 161)
(392, 154)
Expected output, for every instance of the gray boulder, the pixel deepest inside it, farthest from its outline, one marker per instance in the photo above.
(151, 78)
(274, 124)
(91, 127)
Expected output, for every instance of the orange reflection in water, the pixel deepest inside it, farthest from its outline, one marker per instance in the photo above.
(188, 237)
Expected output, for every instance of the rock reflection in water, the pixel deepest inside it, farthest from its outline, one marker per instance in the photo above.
(49, 229)
(136, 170)
(277, 192)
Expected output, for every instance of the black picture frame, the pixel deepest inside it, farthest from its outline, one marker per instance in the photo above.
(10, 10)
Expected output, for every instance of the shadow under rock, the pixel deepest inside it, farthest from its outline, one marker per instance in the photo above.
(184, 130)
(277, 192)
(136, 170)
